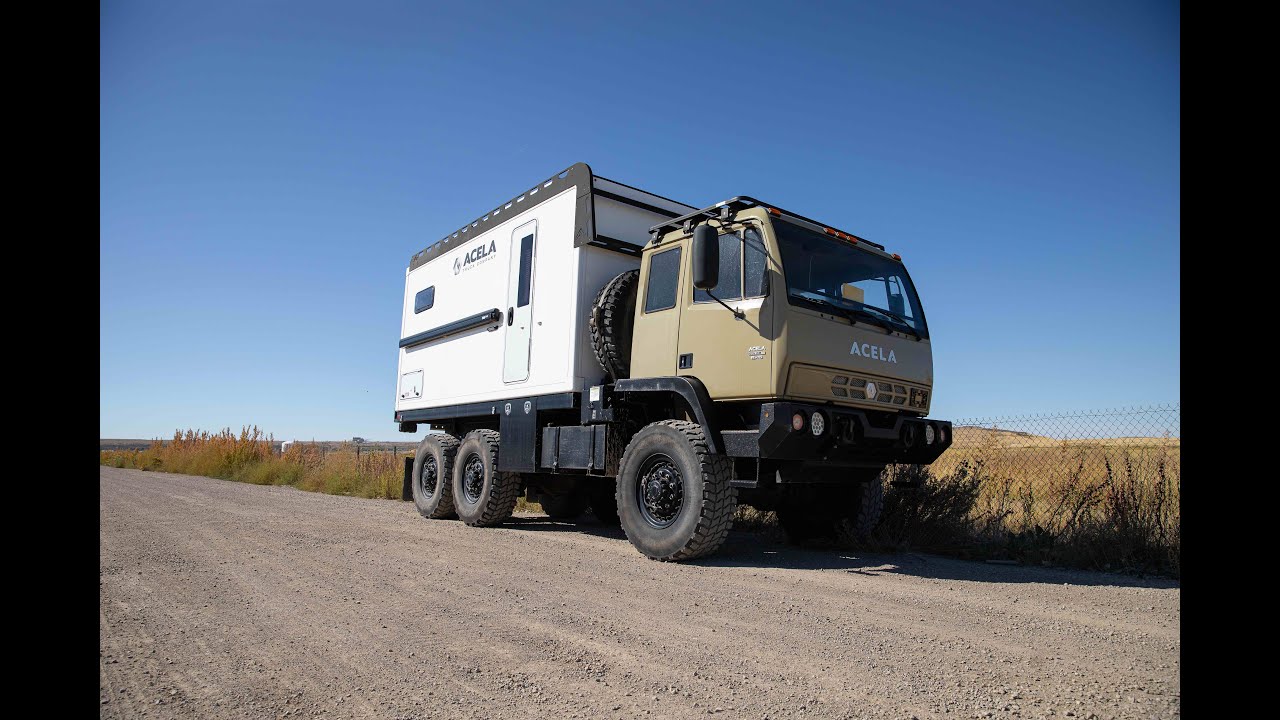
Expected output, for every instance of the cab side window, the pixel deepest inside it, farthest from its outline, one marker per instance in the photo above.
(664, 278)
(755, 268)
(742, 268)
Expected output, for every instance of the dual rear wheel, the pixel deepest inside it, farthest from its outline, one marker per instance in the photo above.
(461, 479)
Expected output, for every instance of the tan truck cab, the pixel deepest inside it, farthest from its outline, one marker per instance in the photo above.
(822, 329)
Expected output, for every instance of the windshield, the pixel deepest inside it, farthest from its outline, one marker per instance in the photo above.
(822, 271)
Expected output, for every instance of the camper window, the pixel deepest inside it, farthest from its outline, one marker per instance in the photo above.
(526, 270)
(424, 300)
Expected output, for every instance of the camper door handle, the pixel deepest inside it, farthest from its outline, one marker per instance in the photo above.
(511, 315)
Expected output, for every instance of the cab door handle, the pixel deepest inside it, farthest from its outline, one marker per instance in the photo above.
(511, 315)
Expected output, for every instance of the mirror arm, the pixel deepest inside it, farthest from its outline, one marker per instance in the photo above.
(736, 312)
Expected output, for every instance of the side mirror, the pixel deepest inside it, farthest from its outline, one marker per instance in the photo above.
(706, 257)
(897, 303)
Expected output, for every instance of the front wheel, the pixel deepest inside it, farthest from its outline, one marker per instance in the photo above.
(673, 493)
(846, 514)
(854, 527)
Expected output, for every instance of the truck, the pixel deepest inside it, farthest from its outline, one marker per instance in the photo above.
(589, 344)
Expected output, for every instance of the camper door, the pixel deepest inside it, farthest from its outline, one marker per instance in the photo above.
(519, 319)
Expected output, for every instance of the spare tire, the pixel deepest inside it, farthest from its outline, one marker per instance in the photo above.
(612, 317)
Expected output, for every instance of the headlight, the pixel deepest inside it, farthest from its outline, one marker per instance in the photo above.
(797, 422)
(817, 424)
(929, 434)
(872, 391)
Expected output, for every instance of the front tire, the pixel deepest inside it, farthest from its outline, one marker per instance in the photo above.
(673, 493)
(845, 514)
(433, 476)
(482, 496)
(855, 527)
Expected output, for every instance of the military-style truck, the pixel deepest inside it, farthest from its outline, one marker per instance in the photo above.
(594, 345)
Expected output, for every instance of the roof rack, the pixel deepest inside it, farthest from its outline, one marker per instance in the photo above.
(721, 210)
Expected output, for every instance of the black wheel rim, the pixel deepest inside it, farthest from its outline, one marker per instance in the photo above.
(473, 478)
(660, 491)
(430, 477)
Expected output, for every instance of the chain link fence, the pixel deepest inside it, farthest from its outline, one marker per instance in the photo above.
(1097, 488)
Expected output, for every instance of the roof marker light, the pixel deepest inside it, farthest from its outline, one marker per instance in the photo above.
(775, 211)
(897, 257)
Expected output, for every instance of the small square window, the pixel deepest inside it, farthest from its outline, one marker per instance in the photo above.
(424, 300)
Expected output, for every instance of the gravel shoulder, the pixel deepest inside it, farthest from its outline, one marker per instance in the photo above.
(221, 599)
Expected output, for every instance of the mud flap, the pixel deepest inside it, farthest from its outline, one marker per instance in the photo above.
(407, 492)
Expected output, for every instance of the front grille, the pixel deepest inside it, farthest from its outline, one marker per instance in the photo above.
(887, 393)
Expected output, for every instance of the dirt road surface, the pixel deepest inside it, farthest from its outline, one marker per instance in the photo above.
(224, 600)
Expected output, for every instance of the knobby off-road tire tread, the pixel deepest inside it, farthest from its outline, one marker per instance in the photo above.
(612, 317)
(505, 490)
(444, 475)
(719, 498)
(856, 528)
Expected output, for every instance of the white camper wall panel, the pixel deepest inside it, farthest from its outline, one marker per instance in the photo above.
(474, 278)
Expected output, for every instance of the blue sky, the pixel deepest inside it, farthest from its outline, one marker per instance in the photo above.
(267, 169)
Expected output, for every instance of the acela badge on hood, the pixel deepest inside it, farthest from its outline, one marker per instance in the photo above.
(875, 352)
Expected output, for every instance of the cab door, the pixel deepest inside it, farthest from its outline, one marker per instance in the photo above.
(730, 354)
(656, 331)
(519, 315)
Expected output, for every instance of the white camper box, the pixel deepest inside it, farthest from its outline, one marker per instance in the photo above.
(499, 309)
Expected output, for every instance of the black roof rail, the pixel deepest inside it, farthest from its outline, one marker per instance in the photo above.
(721, 210)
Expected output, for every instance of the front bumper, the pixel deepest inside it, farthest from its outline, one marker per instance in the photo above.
(850, 436)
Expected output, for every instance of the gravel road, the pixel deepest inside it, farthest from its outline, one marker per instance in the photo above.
(224, 600)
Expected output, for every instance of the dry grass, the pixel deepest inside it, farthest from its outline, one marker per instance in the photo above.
(1110, 504)
(252, 457)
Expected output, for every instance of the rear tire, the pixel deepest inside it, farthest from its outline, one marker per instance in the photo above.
(612, 316)
(433, 476)
(564, 506)
(673, 493)
(482, 496)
